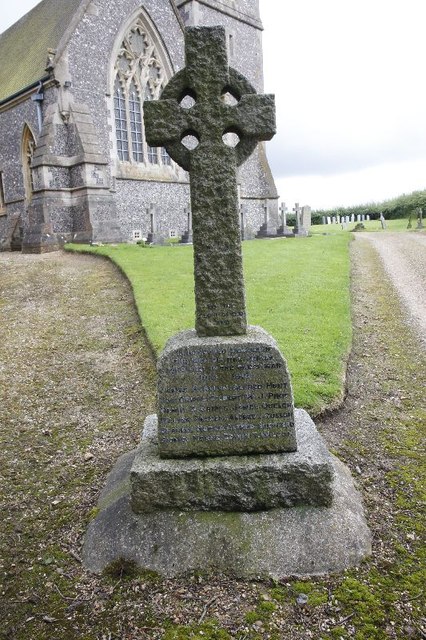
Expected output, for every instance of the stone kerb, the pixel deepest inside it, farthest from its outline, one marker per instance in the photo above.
(224, 396)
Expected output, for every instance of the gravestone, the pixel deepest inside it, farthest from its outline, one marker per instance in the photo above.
(284, 230)
(382, 221)
(269, 227)
(324, 220)
(353, 217)
(187, 235)
(217, 397)
(227, 437)
(306, 218)
(328, 220)
(420, 219)
(368, 217)
(153, 237)
(299, 229)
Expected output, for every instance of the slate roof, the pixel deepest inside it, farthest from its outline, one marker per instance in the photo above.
(23, 47)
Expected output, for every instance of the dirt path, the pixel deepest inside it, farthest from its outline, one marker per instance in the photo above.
(404, 259)
(76, 381)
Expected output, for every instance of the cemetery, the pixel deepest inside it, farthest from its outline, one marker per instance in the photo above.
(197, 444)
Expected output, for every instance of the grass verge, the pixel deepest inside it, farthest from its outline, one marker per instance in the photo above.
(298, 290)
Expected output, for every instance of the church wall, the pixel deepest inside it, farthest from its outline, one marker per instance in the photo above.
(89, 59)
(12, 123)
(135, 198)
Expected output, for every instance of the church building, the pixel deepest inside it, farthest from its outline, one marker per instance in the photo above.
(74, 162)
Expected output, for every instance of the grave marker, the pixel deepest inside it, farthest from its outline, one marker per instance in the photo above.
(187, 235)
(221, 396)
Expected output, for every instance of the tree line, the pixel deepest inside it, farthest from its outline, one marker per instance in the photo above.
(400, 207)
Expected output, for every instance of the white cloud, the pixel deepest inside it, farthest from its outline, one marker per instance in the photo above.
(350, 98)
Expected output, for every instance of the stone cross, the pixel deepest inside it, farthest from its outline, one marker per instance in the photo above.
(205, 101)
(188, 212)
(283, 211)
(152, 211)
(297, 211)
(266, 212)
(242, 221)
(420, 219)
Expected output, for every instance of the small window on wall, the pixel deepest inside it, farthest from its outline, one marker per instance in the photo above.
(172, 233)
(137, 234)
(2, 201)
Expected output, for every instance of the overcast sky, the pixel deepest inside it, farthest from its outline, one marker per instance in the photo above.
(349, 80)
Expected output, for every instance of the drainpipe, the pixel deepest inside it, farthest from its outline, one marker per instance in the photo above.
(38, 99)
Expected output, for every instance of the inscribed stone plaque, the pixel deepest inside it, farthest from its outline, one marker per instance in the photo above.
(224, 396)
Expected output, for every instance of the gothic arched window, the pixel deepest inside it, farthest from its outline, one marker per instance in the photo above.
(139, 76)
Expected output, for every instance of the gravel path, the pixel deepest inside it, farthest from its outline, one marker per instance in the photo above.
(404, 258)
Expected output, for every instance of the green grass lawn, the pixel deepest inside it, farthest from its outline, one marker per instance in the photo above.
(372, 225)
(297, 289)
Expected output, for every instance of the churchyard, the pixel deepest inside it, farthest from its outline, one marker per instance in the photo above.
(312, 329)
(243, 492)
(97, 351)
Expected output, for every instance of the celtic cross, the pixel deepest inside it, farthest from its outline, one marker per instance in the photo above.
(206, 101)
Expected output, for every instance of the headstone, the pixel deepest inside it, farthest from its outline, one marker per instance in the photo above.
(324, 220)
(382, 221)
(306, 218)
(224, 393)
(153, 237)
(242, 221)
(298, 226)
(358, 218)
(270, 222)
(420, 219)
(232, 396)
(284, 230)
(328, 220)
(187, 235)
(410, 224)
(334, 219)
(368, 217)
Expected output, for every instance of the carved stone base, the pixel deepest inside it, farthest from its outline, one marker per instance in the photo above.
(301, 541)
(233, 483)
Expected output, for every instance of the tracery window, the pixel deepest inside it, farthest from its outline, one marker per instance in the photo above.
(139, 76)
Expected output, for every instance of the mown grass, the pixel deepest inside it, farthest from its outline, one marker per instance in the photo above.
(371, 225)
(297, 289)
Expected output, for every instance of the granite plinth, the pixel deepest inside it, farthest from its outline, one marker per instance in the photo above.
(300, 541)
(224, 396)
(233, 483)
